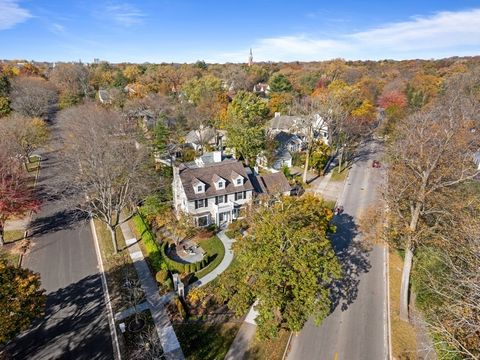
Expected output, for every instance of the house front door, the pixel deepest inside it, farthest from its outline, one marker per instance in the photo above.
(223, 217)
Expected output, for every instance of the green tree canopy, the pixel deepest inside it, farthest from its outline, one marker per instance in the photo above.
(247, 107)
(279, 83)
(286, 263)
(21, 300)
(245, 118)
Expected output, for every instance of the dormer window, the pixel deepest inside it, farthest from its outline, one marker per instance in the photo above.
(237, 179)
(198, 186)
(219, 182)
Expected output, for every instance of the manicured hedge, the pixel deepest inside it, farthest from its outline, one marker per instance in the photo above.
(153, 255)
(172, 264)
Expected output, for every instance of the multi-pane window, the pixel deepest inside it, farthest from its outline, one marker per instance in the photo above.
(240, 195)
(220, 199)
(201, 203)
(220, 184)
(239, 181)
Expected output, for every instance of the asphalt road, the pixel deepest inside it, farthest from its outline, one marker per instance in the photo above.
(357, 327)
(75, 325)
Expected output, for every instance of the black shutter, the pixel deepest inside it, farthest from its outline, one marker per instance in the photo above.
(206, 202)
(196, 204)
(216, 200)
(244, 195)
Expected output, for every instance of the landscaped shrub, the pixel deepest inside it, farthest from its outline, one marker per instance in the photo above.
(161, 276)
(153, 255)
(172, 265)
(235, 229)
(169, 284)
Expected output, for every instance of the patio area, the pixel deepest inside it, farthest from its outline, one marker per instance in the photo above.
(188, 252)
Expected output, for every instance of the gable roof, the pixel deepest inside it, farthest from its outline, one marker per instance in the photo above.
(201, 135)
(206, 174)
(271, 184)
(284, 122)
(283, 138)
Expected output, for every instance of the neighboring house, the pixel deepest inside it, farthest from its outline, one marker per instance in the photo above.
(213, 190)
(293, 125)
(203, 137)
(104, 96)
(287, 145)
(261, 89)
(274, 184)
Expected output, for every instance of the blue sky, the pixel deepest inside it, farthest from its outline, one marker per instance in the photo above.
(223, 31)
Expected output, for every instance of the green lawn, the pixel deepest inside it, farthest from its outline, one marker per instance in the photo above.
(339, 175)
(201, 341)
(12, 235)
(117, 266)
(268, 349)
(12, 258)
(34, 163)
(213, 247)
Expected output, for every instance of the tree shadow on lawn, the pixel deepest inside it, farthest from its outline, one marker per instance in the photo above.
(354, 260)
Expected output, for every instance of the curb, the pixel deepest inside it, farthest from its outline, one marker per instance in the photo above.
(111, 322)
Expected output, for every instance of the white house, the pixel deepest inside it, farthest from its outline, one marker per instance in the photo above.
(211, 189)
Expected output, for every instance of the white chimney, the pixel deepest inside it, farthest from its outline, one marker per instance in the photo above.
(217, 156)
(277, 114)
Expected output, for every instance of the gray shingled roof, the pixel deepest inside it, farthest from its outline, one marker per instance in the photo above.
(205, 174)
(206, 135)
(274, 183)
(284, 122)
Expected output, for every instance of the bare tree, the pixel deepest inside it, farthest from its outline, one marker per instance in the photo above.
(106, 173)
(33, 96)
(71, 78)
(310, 122)
(431, 156)
(148, 346)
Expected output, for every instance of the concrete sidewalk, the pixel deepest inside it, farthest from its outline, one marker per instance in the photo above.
(224, 264)
(166, 334)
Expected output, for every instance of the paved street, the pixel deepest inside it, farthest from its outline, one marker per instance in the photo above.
(356, 329)
(62, 251)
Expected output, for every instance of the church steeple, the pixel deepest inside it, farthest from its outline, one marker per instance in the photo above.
(250, 58)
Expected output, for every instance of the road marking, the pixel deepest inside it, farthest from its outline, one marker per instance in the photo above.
(111, 321)
(335, 356)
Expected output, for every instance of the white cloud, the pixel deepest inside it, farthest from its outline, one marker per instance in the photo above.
(124, 14)
(11, 14)
(440, 35)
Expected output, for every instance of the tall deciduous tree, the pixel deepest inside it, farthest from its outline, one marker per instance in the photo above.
(16, 194)
(32, 96)
(286, 263)
(246, 115)
(21, 300)
(28, 133)
(104, 166)
(432, 155)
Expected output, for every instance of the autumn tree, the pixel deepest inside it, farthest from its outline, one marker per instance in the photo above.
(73, 82)
(286, 263)
(4, 95)
(28, 133)
(32, 96)
(246, 116)
(105, 173)
(431, 156)
(21, 300)
(16, 195)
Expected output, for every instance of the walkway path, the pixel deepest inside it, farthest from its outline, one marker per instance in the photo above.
(224, 264)
(240, 344)
(166, 334)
